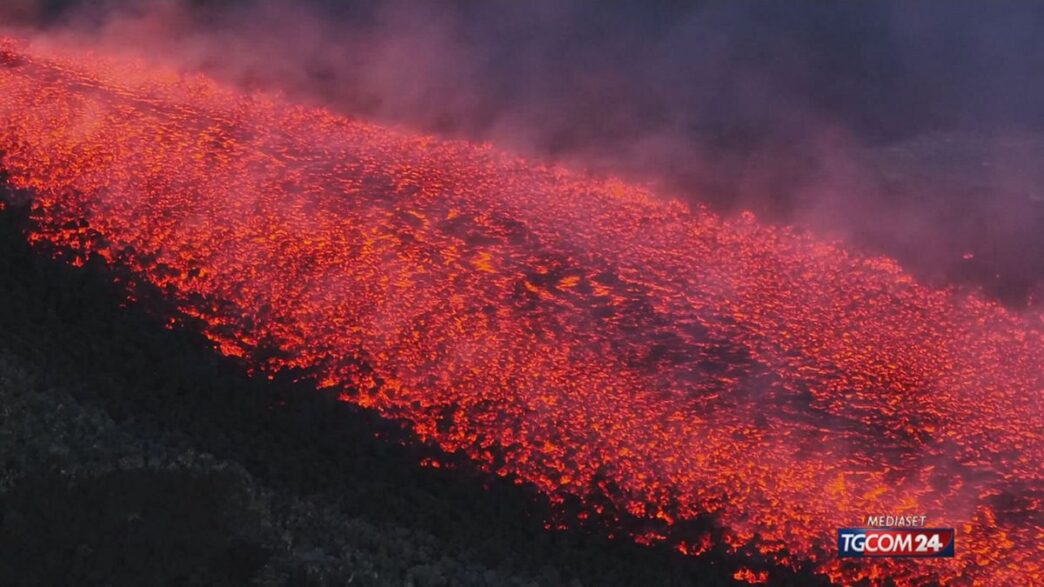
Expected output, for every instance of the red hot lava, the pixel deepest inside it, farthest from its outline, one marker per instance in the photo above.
(575, 334)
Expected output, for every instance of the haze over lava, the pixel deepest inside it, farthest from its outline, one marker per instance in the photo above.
(580, 335)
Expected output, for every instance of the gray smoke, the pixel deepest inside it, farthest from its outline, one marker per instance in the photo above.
(912, 129)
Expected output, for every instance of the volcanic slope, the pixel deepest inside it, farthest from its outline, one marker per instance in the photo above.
(649, 360)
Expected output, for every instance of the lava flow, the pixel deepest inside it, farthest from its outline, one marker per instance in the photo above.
(648, 361)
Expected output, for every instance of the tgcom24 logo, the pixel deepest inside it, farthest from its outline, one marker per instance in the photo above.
(895, 536)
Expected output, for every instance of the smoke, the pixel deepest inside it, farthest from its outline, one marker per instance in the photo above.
(907, 129)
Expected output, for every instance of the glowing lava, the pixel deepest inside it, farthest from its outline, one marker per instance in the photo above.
(576, 334)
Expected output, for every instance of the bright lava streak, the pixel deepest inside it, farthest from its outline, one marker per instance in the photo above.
(576, 334)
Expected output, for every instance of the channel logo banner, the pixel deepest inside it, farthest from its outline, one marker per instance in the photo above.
(895, 542)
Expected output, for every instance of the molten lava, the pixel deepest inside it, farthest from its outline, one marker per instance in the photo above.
(579, 335)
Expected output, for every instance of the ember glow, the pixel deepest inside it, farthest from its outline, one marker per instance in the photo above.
(648, 360)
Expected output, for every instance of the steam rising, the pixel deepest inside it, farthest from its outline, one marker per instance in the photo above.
(911, 129)
(900, 129)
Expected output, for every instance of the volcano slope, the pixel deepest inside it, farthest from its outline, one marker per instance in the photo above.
(132, 454)
(634, 361)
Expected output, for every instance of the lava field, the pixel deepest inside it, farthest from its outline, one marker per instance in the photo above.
(682, 378)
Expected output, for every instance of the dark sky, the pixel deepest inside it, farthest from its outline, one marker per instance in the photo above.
(887, 68)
